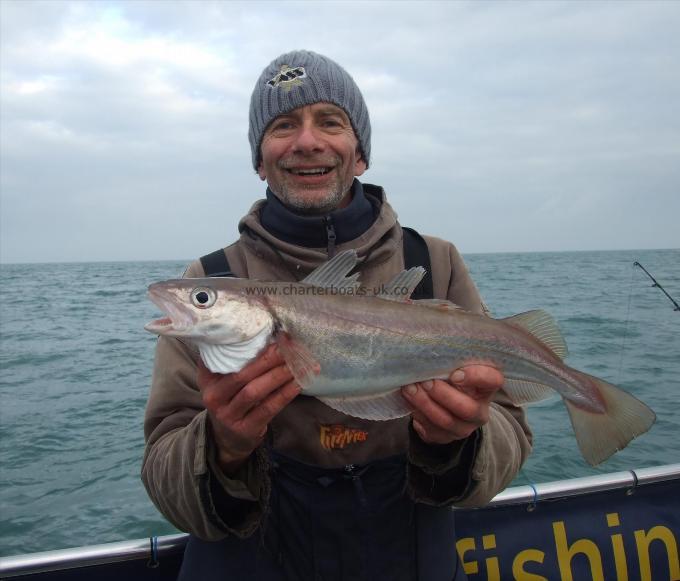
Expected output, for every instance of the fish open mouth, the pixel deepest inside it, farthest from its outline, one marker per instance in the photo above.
(178, 319)
(159, 325)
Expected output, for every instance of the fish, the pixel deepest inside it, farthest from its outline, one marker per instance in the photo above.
(354, 349)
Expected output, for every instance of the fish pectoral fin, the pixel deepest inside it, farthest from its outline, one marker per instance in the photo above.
(303, 365)
(542, 326)
(521, 391)
(386, 406)
(401, 287)
(333, 274)
(599, 435)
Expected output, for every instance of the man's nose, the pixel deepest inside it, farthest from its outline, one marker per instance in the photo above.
(308, 139)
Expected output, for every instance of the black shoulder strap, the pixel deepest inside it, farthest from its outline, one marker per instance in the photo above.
(416, 253)
(216, 264)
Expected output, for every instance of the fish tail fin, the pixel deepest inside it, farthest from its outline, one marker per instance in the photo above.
(601, 434)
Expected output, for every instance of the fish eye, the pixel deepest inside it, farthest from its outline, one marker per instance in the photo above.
(203, 297)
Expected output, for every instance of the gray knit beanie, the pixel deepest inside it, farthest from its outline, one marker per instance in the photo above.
(302, 78)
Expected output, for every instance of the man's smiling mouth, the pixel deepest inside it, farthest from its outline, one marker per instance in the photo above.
(316, 171)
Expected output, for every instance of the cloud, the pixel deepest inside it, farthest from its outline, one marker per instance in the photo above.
(124, 124)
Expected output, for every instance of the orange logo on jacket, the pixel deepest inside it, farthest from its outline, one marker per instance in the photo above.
(337, 436)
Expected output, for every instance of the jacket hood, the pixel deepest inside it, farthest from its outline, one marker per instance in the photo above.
(377, 243)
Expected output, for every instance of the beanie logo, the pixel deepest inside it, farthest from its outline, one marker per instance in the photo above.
(287, 78)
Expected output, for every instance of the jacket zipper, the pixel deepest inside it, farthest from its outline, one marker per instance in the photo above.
(330, 234)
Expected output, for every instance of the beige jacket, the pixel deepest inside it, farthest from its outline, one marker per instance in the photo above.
(179, 470)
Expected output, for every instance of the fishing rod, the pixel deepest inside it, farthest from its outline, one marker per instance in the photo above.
(656, 284)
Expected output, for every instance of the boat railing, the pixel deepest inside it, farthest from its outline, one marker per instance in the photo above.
(155, 549)
(629, 480)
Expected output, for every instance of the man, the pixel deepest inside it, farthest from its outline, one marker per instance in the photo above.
(273, 484)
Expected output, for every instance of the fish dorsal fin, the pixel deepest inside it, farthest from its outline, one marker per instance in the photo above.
(401, 287)
(439, 304)
(333, 274)
(542, 326)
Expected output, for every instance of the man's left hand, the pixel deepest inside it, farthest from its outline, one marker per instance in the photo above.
(444, 411)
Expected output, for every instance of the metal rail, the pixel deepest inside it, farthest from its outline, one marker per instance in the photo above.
(158, 547)
(90, 555)
(585, 485)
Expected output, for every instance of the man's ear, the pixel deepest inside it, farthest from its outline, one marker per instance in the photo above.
(359, 165)
(260, 172)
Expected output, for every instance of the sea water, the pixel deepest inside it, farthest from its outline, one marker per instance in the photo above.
(76, 366)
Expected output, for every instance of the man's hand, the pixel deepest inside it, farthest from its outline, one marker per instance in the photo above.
(444, 411)
(241, 405)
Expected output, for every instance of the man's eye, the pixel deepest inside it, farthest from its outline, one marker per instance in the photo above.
(282, 126)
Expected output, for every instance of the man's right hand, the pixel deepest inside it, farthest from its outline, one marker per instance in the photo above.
(241, 405)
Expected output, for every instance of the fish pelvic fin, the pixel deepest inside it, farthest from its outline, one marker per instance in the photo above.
(401, 287)
(333, 274)
(302, 363)
(386, 406)
(599, 435)
(542, 326)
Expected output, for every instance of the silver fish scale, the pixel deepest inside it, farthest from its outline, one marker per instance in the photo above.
(370, 346)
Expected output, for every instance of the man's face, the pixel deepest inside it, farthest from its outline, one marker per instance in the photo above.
(310, 157)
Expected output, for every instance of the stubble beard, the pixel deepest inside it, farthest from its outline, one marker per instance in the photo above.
(295, 198)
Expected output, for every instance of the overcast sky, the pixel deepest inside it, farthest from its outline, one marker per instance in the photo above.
(501, 126)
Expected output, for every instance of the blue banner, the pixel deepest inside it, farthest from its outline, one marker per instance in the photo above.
(617, 535)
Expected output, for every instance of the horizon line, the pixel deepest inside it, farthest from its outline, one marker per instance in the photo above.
(188, 261)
